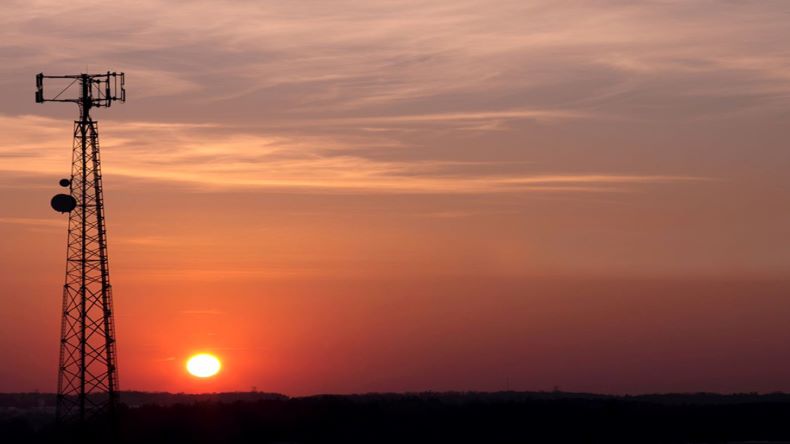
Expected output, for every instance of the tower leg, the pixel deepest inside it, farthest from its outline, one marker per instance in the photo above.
(87, 377)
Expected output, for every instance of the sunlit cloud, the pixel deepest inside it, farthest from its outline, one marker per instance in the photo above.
(492, 116)
(220, 160)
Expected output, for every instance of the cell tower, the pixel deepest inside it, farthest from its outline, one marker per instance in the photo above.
(87, 375)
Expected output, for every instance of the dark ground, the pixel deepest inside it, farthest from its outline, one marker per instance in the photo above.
(505, 417)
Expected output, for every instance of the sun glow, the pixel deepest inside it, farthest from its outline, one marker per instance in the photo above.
(203, 365)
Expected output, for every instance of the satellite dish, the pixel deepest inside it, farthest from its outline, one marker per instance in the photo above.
(64, 182)
(63, 203)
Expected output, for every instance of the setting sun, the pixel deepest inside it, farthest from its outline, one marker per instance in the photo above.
(203, 365)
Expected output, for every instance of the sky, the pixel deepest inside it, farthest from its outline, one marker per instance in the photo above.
(352, 196)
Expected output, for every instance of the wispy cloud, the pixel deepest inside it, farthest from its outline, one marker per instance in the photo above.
(464, 117)
(224, 159)
(391, 96)
(352, 56)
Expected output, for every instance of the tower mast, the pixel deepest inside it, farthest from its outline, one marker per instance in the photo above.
(87, 372)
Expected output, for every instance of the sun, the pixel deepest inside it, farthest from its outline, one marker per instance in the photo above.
(203, 365)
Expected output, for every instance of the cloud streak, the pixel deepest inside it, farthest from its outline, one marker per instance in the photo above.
(190, 155)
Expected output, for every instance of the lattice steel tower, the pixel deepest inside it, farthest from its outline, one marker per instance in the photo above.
(87, 375)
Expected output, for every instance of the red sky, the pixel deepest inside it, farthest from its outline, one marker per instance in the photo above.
(381, 196)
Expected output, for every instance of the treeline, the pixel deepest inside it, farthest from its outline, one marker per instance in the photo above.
(442, 418)
(133, 399)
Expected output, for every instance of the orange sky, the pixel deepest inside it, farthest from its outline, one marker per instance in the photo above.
(370, 196)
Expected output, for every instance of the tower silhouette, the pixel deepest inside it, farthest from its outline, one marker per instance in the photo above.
(87, 374)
